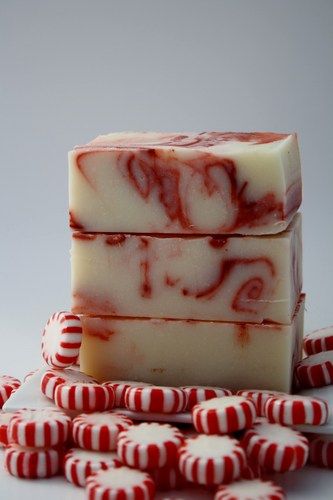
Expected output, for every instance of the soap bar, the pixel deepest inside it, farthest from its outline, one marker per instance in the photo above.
(208, 183)
(180, 352)
(234, 278)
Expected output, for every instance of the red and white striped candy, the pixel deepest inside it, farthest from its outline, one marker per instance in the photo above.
(255, 489)
(259, 397)
(296, 410)
(276, 448)
(52, 378)
(155, 399)
(79, 464)
(41, 428)
(224, 415)
(149, 445)
(319, 341)
(210, 460)
(252, 470)
(120, 483)
(61, 339)
(196, 394)
(99, 431)
(5, 418)
(7, 386)
(32, 463)
(84, 397)
(168, 478)
(120, 387)
(316, 370)
(321, 451)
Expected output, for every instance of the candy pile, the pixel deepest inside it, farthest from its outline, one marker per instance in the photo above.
(316, 370)
(235, 445)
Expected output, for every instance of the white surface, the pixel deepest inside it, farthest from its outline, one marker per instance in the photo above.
(29, 395)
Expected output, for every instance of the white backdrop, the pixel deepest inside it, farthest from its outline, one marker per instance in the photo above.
(72, 69)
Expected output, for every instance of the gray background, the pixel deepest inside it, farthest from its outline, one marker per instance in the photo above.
(73, 69)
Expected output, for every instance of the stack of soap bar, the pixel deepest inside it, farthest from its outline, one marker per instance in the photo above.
(186, 257)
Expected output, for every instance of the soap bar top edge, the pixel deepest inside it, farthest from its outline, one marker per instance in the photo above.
(213, 141)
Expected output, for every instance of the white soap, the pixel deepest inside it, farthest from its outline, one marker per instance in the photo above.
(189, 352)
(242, 279)
(29, 395)
(222, 183)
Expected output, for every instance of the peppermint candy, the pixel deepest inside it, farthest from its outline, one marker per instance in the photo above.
(7, 386)
(5, 419)
(316, 370)
(255, 489)
(210, 460)
(121, 483)
(296, 410)
(149, 445)
(61, 339)
(52, 378)
(156, 399)
(252, 470)
(99, 431)
(321, 451)
(259, 397)
(79, 464)
(276, 448)
(84, 397)
(41, 428)
(32, 463)
(196, 394)
(168, 478)
(120, 387)
(319, 341)
(224, 415)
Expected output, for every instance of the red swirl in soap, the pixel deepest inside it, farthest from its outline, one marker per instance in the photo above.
(150, 173)
(73, 221)
(145, 271)
(247, 293)
(251, 290)
(165, 179)
(85, 303)
(115, 239)
(156, 176)
(84, 236)
(218, 241)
